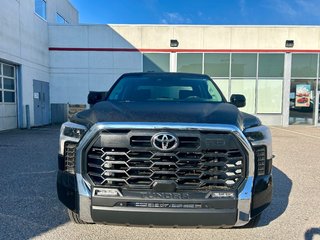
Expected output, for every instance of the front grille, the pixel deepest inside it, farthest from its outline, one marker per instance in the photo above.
(260, 160)
(201, 161)
(69, 156)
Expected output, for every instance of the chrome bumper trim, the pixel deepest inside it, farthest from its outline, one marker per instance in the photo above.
(84, 199)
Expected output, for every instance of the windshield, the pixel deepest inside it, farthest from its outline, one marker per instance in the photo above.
(165, 88)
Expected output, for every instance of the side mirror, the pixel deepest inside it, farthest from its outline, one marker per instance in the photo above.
(238, 100)
(94, 97)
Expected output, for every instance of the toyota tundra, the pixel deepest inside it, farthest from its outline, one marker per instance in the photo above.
(165, 149)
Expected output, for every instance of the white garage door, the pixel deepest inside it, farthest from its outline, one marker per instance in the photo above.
(8, 103)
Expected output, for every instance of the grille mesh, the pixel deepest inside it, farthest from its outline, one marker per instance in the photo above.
(190, 167)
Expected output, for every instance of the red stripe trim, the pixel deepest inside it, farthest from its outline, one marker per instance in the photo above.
(169, 50)
(94, 49)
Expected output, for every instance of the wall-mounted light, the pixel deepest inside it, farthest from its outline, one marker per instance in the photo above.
(289, 43)
(174, 43)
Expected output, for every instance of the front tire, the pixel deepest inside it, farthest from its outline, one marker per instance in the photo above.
(253, 222)
(74, 217)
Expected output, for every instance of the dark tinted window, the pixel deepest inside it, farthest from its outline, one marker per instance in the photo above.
(165, 88)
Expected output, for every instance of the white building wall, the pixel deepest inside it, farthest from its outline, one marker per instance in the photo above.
(74, 73)
(24, 43)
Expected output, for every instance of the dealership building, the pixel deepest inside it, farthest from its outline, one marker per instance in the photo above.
(48, 61)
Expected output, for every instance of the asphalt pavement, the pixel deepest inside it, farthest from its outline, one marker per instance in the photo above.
(29, 207)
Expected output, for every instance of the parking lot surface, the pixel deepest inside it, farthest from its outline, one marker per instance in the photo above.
(29, 207)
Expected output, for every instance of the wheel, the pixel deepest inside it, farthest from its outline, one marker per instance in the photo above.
(74, 217)
(253, 222)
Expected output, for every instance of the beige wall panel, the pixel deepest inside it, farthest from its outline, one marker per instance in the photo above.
(211, 37)
(10, 28)
(101, 60)
(304, 37)
(100, 82)
(127, 60)
(69, 59)
(157, 37)
(244, 38)
(100, 36)
(69, 88)
(272, 37)
(189, 37)
(128, 36)
(68, 36)
(216, 37)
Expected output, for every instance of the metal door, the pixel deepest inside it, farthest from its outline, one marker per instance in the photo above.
(41, 103)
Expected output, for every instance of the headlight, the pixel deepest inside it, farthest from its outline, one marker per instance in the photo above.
(70, 132)
(260, 136)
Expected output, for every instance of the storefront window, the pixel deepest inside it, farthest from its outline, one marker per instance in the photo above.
(269, 96)
(223, 84)
(247, 87)
(259, 79)
(270, 83)
(156, 62)
(217, 64)
(304, 65)
(189, 62)
(243, 65)
(302, 101)
(271, 65)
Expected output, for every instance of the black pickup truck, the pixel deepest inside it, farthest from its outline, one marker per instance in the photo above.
(165, 149)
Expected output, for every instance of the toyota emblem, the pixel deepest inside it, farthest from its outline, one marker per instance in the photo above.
(164, 141)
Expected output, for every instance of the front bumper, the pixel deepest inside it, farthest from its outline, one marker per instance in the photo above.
(192, 209)
(167, 217)
(164, 208)
(223, 213)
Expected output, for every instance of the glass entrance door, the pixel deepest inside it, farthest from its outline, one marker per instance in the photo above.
(302, 101)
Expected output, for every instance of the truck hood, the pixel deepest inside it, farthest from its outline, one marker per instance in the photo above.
(178, 112)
